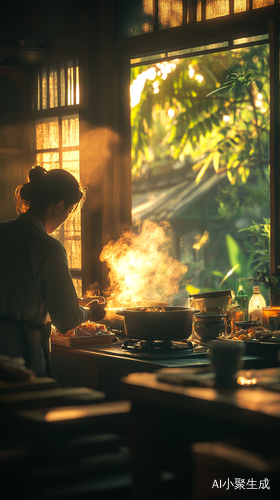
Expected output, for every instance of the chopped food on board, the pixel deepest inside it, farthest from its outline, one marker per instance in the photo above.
(89, 328)
(255, 334)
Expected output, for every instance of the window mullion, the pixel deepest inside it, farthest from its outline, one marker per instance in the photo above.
(66, 83)
(59, 85)
(155, 16)
(41, 87)
(203, 10)
(48, 85)
(74, 80)
(60, 141)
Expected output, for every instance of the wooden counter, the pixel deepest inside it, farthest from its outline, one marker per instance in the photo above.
(102, 370)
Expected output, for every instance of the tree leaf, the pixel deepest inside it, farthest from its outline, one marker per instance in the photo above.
(216, 160)
(236, 256)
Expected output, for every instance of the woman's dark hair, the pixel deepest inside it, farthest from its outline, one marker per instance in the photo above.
(45, 187)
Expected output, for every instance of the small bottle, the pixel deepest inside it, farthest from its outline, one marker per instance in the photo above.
(242, 297)
(236, 314)
(257, 302)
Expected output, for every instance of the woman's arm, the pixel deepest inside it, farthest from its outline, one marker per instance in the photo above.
(59, 294)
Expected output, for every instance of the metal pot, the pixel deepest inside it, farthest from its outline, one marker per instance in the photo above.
(174, 323)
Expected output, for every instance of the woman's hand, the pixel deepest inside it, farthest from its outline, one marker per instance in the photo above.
(97, 311)
(96, 307)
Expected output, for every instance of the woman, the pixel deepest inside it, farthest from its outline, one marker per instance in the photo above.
(35, 281)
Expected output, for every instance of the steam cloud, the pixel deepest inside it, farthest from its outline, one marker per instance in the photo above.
(141, 271)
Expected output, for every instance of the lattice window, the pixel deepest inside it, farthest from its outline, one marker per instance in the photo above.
(58, 85)
(57, 144)
(137, 17)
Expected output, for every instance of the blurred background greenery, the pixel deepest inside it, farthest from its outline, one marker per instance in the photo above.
(203, 121)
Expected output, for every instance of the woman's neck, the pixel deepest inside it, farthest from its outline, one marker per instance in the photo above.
(40, 214)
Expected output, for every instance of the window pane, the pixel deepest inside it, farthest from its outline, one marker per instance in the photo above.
(62, 85)
(70, 83)
(53, 86)
(257, 4)
(250, 39)
(69, 234)
(198, 11)
(47, 136)
(70, 162)
(44, 88)
(133, 17)
(48, 160)
(240, 5)
(217, 8)
(201, 48)
(70, 130)
(170, 13)
(78, 286)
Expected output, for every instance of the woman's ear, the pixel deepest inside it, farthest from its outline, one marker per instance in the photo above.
(58, 206)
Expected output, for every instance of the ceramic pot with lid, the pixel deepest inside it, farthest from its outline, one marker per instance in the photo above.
(211, 300)
(208, 325)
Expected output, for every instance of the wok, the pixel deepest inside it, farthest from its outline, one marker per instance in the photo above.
(174, 323)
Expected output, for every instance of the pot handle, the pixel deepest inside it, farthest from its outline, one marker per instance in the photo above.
(119, 312)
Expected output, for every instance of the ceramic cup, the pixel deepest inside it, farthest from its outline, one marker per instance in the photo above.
(226, 358)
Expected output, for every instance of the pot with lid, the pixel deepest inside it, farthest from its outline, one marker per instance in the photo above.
(208, 325)
(168, 323)
(210, 301)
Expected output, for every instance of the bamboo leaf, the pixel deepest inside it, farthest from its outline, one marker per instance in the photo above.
(216, 161)
(236, 256)
(204, 168)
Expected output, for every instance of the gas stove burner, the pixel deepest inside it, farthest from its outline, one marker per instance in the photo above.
(153, 346)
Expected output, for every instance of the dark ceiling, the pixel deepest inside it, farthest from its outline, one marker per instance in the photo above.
(30, 23)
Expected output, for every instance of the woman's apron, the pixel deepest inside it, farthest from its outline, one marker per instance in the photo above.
(28, 340)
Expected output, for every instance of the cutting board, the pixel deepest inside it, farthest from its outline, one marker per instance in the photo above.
(50, 397)
(35, 384)
(81, 341)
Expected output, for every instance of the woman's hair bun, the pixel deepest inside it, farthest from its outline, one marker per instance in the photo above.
(37, 174)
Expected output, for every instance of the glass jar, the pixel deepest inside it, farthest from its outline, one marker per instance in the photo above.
(271, 317)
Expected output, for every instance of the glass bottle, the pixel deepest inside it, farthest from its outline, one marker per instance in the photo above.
(257, 302)
(242, 297)
(236, 314)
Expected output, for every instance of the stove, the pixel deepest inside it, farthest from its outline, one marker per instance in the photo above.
(152, 349)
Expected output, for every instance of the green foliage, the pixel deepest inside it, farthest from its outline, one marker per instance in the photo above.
(236, 256)
(257, 244)
(186, 120)
(236, 82)
(197, 131)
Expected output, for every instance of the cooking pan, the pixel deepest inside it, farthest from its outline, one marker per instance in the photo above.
(174, 323)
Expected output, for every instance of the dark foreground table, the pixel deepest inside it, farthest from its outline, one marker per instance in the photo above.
(167, 419)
